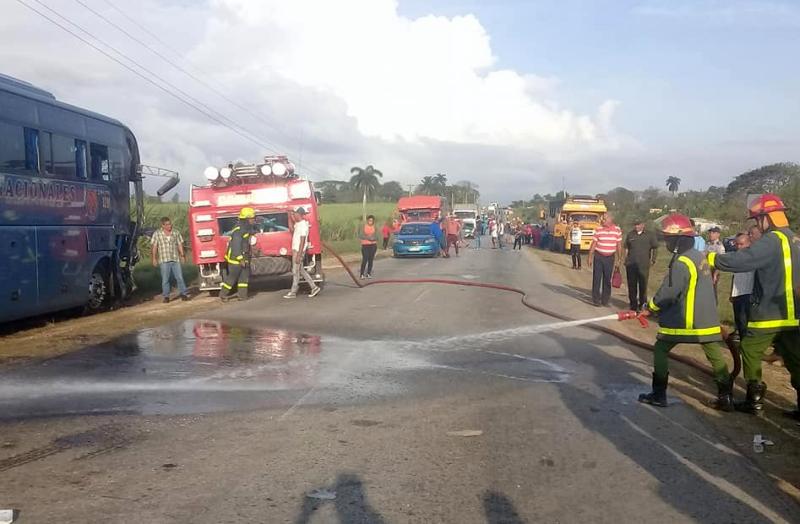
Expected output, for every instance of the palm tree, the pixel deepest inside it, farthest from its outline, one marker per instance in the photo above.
(440, 179)
(427, 186)
(673, 183)
(365, 181)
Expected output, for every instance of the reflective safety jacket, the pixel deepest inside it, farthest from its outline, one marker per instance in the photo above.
(685, 304)
(775, 258)
(239, 245)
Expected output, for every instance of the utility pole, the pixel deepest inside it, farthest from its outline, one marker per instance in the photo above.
(410, 187)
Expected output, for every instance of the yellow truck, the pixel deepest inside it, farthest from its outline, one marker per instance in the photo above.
(587, 211)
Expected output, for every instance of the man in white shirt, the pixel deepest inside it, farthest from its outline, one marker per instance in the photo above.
(741, 290)
(299, 244)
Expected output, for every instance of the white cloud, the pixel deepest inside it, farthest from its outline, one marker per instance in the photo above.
(338, 83)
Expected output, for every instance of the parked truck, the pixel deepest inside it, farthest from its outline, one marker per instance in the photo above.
(468, 215)
(421, 208)
(587, 211)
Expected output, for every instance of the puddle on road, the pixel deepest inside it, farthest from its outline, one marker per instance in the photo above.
(202, 366)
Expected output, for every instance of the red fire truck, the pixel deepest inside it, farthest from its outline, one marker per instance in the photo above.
(421, 208)
(271, 188)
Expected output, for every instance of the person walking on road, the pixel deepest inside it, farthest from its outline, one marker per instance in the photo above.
(501, 230)
(238, 256)
(299, 246)
(452, 228)
(575, 238)
(386, 232)
(687, 313)
(641, 248)
(436, 231)
(604, 255)
(741, 291)
(167, 254)
(775, 259)
(478, 233)
(368, 235)
(493, 232)
(519, 237)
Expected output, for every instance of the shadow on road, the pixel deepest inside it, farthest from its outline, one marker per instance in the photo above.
(499, 509)
(351, 503)
(584, 295)
(697, 475)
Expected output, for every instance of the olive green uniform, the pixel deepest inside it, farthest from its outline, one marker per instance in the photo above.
(687, 313)
(775, 258)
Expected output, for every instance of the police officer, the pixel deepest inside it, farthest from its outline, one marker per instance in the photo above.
(687, 313)
(775, 258)
(238, 256)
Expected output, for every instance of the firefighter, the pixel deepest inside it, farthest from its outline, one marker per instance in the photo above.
(238, 256)
(687, 313)
(775, 258)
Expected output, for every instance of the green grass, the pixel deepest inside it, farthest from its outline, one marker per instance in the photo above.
(339, 222)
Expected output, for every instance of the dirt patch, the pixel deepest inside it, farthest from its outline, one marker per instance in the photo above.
(782, 461)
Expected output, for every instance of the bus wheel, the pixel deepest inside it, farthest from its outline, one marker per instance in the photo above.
(98, 289)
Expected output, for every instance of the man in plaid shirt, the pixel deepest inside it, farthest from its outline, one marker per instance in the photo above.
(167, 254)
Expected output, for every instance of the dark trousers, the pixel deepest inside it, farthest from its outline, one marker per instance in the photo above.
(575, 251)
(385, 242)
(238, 276)
(637, 285)
(602, 270)
(517, 242)
(741, 312)
(452, 240)
(367, 258)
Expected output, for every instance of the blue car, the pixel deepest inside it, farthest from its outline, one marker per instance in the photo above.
(415, 239)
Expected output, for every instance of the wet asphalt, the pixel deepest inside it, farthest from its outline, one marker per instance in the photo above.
(360, 395)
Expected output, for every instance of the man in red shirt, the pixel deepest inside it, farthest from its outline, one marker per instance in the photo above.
(452, 229)
(604, 255)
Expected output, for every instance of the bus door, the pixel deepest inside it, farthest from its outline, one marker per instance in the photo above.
(63, 267)
(18, 286)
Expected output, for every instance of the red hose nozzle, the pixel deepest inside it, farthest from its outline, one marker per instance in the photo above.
(627, 315)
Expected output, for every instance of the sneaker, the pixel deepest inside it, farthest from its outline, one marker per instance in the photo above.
(368, 275)
(290, 295)
(166, 300)
(362, 277)
(184, 298)
(315, 292)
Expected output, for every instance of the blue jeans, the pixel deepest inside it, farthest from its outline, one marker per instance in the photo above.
(477, 240)
(173, 268)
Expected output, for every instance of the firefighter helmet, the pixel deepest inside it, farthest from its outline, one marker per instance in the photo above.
(678, 225)
(247, 212)
(766, 204)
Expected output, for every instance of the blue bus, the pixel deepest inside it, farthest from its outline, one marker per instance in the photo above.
(67, 239)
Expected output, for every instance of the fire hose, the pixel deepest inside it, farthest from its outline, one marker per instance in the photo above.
(590, 323)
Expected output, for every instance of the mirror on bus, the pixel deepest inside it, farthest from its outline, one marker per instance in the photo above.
(168, 185)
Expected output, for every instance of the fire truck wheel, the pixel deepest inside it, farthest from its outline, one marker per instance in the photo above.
(99, 292)
(270, 265)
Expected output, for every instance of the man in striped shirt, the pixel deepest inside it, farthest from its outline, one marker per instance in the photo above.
(604, 255)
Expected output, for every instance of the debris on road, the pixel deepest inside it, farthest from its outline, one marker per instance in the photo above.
(322, 494)
(759, 442)
(465, 433)
(7, 516)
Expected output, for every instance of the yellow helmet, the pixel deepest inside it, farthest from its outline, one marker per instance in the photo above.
(247, 212)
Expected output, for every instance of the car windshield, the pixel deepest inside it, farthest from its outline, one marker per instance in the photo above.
(265, 223)
(465, 214)
(415, 229)
(583, 217)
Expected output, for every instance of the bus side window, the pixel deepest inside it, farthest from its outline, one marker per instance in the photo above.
(31, 150)
(64, 157)
(116, 160)
(46, 153)
(13, 156)
(101, 169)
(80, 159)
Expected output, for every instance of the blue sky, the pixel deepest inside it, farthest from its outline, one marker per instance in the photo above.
(686, 73)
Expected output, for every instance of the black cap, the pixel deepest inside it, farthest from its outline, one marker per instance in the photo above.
(714, 229)
(301, 211)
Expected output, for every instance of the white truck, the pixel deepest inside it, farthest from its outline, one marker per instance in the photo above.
(468, 215)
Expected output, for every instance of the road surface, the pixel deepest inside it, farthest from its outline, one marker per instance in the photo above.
(364, 399)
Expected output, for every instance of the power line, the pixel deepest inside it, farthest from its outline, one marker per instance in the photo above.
(191, 102)
(248, 111)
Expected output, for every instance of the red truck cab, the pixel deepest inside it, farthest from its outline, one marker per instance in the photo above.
(421, 208)
(273, 191)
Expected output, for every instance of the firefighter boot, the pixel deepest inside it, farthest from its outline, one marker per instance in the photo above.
(724, 400)
(754, 401)
(657, 397)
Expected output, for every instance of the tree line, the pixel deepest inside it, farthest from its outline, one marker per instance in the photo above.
(725, 204)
